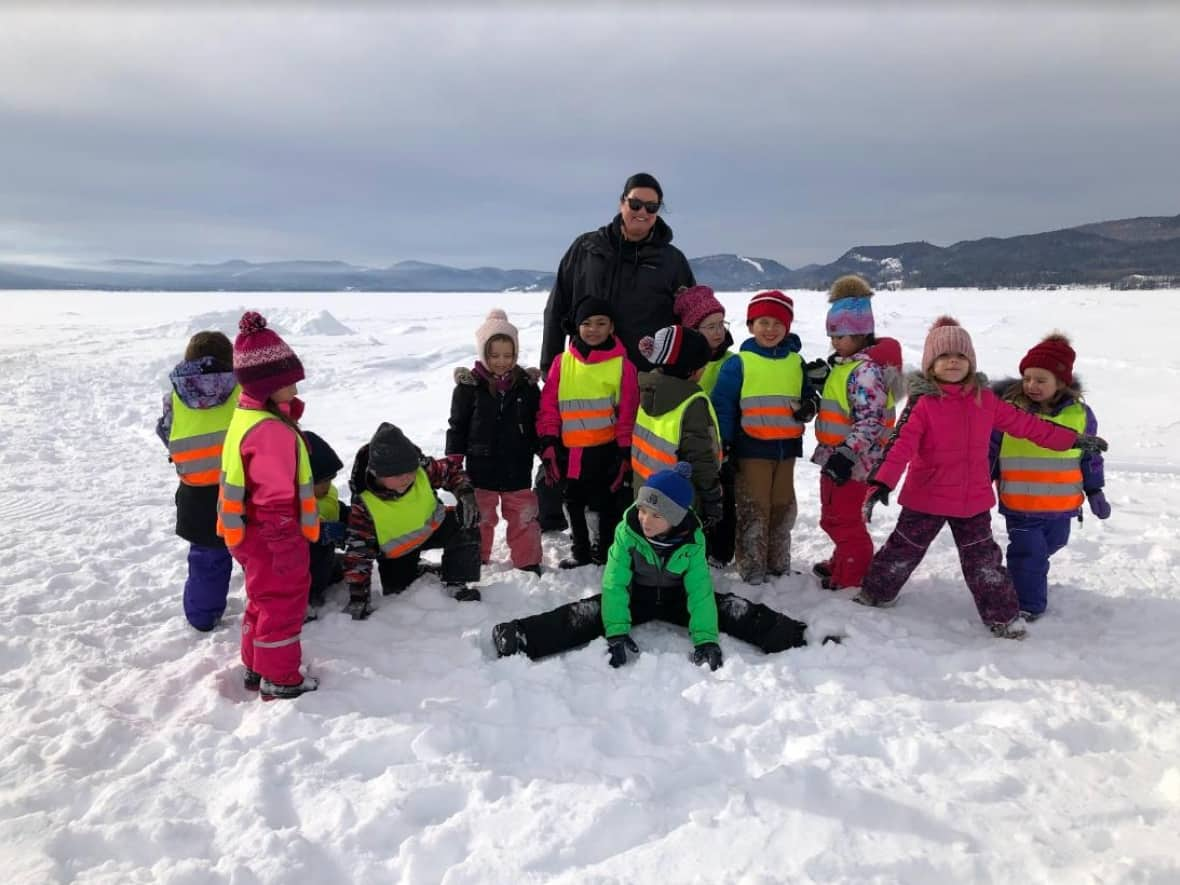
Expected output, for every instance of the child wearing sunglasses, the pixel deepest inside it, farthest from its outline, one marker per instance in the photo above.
(587, 414)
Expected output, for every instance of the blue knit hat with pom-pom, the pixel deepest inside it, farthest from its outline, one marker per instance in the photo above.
(668, 492)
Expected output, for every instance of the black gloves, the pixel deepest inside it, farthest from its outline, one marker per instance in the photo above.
(838, 468)
(712, 508)
(1091, 444)
(707, 653)
(879, 494)
(619, 646)
(332, 533)
(806, 410)
(468, 510)
(817, 372)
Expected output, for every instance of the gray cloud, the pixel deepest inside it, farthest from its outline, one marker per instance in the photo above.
(469, 136)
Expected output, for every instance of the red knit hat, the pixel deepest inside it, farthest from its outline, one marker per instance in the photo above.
(1053, 355)
(263, 363)
(771, 303)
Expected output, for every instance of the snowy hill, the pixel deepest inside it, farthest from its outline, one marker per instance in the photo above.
(921, 750)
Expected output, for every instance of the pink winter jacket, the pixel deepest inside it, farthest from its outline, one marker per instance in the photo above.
(270, 457)
(549, 417)
(944, 440)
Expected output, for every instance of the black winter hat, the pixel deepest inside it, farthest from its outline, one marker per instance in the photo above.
(390, 453)
(675, 350)
(325, 463)
(592, 307)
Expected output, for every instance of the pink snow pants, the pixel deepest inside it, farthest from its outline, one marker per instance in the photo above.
(278, 579)
(520, 513)
(841, 516)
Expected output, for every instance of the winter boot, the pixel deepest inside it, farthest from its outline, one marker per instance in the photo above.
(822, 570)
(251, 681)
(508, 639)
(462, 593)
(1018, 629)
(271, 691)
(531, 569)
(863, 598)
(579, 556)
(359, 609)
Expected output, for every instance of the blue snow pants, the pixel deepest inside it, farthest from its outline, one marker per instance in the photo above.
(1031, 541)
(207, 585)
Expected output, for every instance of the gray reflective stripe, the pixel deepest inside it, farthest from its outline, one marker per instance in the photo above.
(307, 493)
(210, 463)
(1039, 464)
(656, 442)
(578, 405)
(418, 536)
(829, 427)
(770, 399)
(278, 644)
(231, 520)
(831, 405)
(202, 441)
(587, 423)
(231, 492)
(1042, 489)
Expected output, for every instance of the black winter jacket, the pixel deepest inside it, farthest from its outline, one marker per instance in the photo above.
(639, 280)
(497, 433)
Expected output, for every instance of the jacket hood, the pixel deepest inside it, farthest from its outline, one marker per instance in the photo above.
(790, 344)
(660, 235)
(660, 393)
(1011, 390)
(919, 385)
(886, 353)
(201, 383)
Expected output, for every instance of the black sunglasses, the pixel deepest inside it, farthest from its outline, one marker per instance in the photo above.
(636, 204)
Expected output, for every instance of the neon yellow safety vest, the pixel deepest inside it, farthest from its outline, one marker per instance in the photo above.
(587, 394)
(770, 394)
(834, 421)
(196, 438)
(328, 507)
(404, 524)
(712, 371)
(231, 500)
(1038, 480)
(655, 441)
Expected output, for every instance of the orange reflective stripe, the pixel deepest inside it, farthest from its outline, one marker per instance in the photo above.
(202, 478)
(1046, 503)
(770, 434)
(213, 451)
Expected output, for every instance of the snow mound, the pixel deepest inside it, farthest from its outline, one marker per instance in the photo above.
(282, 321)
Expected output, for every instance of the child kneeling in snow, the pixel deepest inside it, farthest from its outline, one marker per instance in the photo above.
(396, 515)
(656, 570)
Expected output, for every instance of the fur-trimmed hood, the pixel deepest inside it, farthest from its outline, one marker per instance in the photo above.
(919, 384)
(530, 375)
(1011, 390)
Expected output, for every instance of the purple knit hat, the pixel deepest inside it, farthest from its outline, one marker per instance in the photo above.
(263, 363)
(695, 303)
(851, 312)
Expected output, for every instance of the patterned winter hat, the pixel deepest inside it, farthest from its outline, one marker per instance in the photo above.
(496, 324)
(263, 363)
(390, 453)
(668, 492)
(1055, 355)
(675, 350)
(851, 312)
(947, 336)
(771, 303)
(695, 303)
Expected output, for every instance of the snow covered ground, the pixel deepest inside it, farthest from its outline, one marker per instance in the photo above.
(921, 750)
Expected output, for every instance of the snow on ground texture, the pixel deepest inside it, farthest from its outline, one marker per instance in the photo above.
(920, 751)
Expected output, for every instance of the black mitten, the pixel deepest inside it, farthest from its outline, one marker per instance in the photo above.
(838, 468)
(879, 494)
(1091, 444)
(707, 653)
(619, 646)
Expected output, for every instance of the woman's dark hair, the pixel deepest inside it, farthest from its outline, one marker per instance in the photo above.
(642, 179)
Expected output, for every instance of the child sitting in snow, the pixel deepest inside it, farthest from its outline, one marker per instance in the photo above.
(396, 515)
(656, 570)
(197, 412)
(326, 565)
(943, 438)
(494, 424)
(1041, 491)
(856, 416)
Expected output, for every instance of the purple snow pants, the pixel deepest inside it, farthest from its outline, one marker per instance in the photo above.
(207, 585)
(979, 555)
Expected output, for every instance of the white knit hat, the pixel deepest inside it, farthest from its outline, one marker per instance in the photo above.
(496, 324)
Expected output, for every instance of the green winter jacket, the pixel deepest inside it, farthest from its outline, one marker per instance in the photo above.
(633, 566)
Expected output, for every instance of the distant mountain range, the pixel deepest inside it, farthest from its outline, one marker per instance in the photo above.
(1130, 252)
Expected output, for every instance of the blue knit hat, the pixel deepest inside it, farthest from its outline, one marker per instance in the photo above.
(851, 312)
(669, 493)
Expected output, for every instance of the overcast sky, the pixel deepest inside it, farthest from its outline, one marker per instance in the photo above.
(472, 136)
